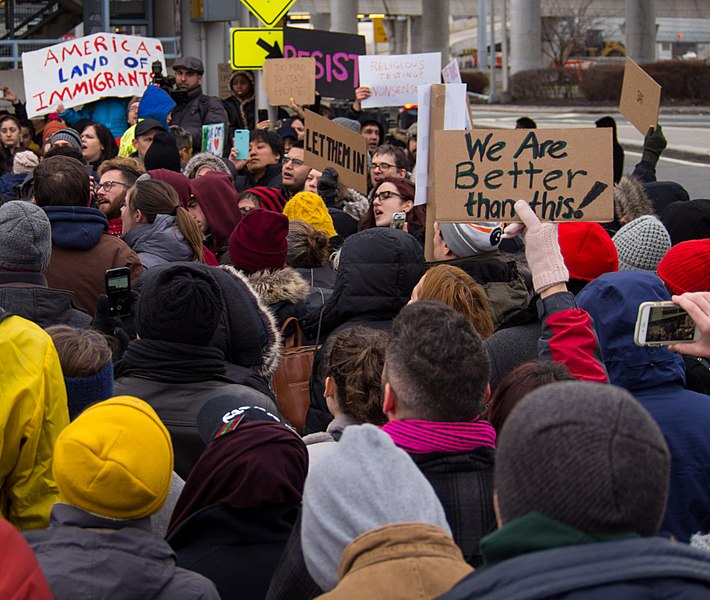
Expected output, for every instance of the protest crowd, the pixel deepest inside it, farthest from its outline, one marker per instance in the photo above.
(281, 398)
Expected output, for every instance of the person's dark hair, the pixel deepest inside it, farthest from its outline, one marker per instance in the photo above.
(154, 197)
(268, 137)
(65, 150)
(416, 218)
(400, 156)
(61, 181)
(437, 364)
(297, 144)
(6, 155)
(82, 352)
(354, 359)
(308, 247)
(107, 140)
(130, 168)
(523, 379)
(183, 138)
(31, 126)
(525, 123)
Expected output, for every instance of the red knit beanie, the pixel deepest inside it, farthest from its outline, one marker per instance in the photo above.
(259, 241)
(686, 267)
(587, 250)
(270, 198)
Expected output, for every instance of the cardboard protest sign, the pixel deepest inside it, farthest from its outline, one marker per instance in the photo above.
(451, 73)
(224, 72)
(287, 78)
(640, 97)
(336, 56)
(88, 68)
(213, 138)
(435, 96)
(393, 80)
(327, 144)
(564, 174)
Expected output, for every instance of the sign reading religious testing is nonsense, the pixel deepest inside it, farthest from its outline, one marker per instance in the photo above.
(327, 144)
(640, 97)
(88, 68)
(564, 174)
(393, 80)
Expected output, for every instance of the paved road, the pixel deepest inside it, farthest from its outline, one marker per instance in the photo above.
(687, 134)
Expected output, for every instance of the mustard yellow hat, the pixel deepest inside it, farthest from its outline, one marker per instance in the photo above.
(309, 207)
(115, 460)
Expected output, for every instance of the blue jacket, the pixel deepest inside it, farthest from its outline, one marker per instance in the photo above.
(656, 376)
(636, 569)
(107, 111)
(155, 104)
(76, 227)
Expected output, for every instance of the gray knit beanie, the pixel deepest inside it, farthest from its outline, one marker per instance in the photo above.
(470, 239)
(642, 244)
(586, 454)
(364, 483)
(67, 135)
(25, 237)
(349, 123)
(204, 159)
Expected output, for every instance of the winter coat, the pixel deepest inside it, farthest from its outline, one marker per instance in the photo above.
(233, 106)
(656, 376)
(271, 178)
(374, 565)
(158, 242)
(109, 111)
(189, 114)
(235, 548)
(21, 578)
(27, 295)
(81, 560)
(82, 251)
(634, 569)
(34, 403)
(321, 281)
(284, 291)
(9, 181)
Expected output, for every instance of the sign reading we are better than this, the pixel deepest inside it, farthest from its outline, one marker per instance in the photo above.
(564, 174)
(88, 68)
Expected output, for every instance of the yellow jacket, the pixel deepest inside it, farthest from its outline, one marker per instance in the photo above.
(33, 411)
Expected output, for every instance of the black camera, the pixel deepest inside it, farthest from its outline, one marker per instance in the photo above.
(166, 82)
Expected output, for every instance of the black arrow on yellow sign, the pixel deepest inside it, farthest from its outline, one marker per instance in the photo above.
(273, 51)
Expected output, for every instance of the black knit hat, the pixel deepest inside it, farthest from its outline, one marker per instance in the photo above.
(163, 153)
(586, 454)
(179, 302)
(687, 220)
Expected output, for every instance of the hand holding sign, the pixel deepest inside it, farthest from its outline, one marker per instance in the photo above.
(640, 97)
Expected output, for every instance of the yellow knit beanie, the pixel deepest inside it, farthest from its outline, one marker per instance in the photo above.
(115, 460)
(309, 207)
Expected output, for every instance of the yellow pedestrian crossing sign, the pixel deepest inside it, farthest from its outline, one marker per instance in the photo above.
(269, 12)
(251, 46)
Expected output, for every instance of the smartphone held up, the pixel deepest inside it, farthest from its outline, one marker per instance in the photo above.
(664, 324)
(118, 291)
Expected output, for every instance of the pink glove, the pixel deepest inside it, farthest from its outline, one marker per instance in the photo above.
(541, 248)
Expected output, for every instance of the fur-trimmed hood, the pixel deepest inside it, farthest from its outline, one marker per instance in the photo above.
(631, 200)
(279, 285)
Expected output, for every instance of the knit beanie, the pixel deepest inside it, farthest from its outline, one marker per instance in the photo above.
(365, 482)
(641, 244)
(115, 460)
(259, 241)
(25, 237)
(309, 207)
(50, 129)
(88, 390)
(270, 198)
(204, 159)
(470, 239)
(67, 135)
(686, 267)
(178, 181)
(664, 193)
(179, 302)
(163, 153)
(687, 220)
(587, 250)
(586, 454)
(351, 124)
(24, 162)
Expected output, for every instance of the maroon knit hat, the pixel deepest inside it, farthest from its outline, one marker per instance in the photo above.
(270, 198)
(587, 250)
(685, 267)
(176, 180)
(259, 241)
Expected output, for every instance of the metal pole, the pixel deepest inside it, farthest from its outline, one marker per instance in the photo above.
(482, 57)
(493, 91)
(504, 43)
(106, 16)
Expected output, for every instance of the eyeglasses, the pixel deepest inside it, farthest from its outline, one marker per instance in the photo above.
(295, 161)
(385, 195)
(107, 185)
(382, 166)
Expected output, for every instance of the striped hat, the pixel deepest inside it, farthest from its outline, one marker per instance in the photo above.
(270, 198)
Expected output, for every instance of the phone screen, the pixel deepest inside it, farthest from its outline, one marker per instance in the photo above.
(262, 114)
(668, 324)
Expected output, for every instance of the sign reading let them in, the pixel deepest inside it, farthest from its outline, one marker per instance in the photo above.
(251, 46)
(564, 174)
(269, 12)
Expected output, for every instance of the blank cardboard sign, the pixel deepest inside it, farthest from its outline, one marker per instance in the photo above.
(564, 174)
(328, 144)
(640, 97)
(287, 78)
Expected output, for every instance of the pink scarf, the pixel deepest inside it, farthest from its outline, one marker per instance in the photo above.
(415, 436)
